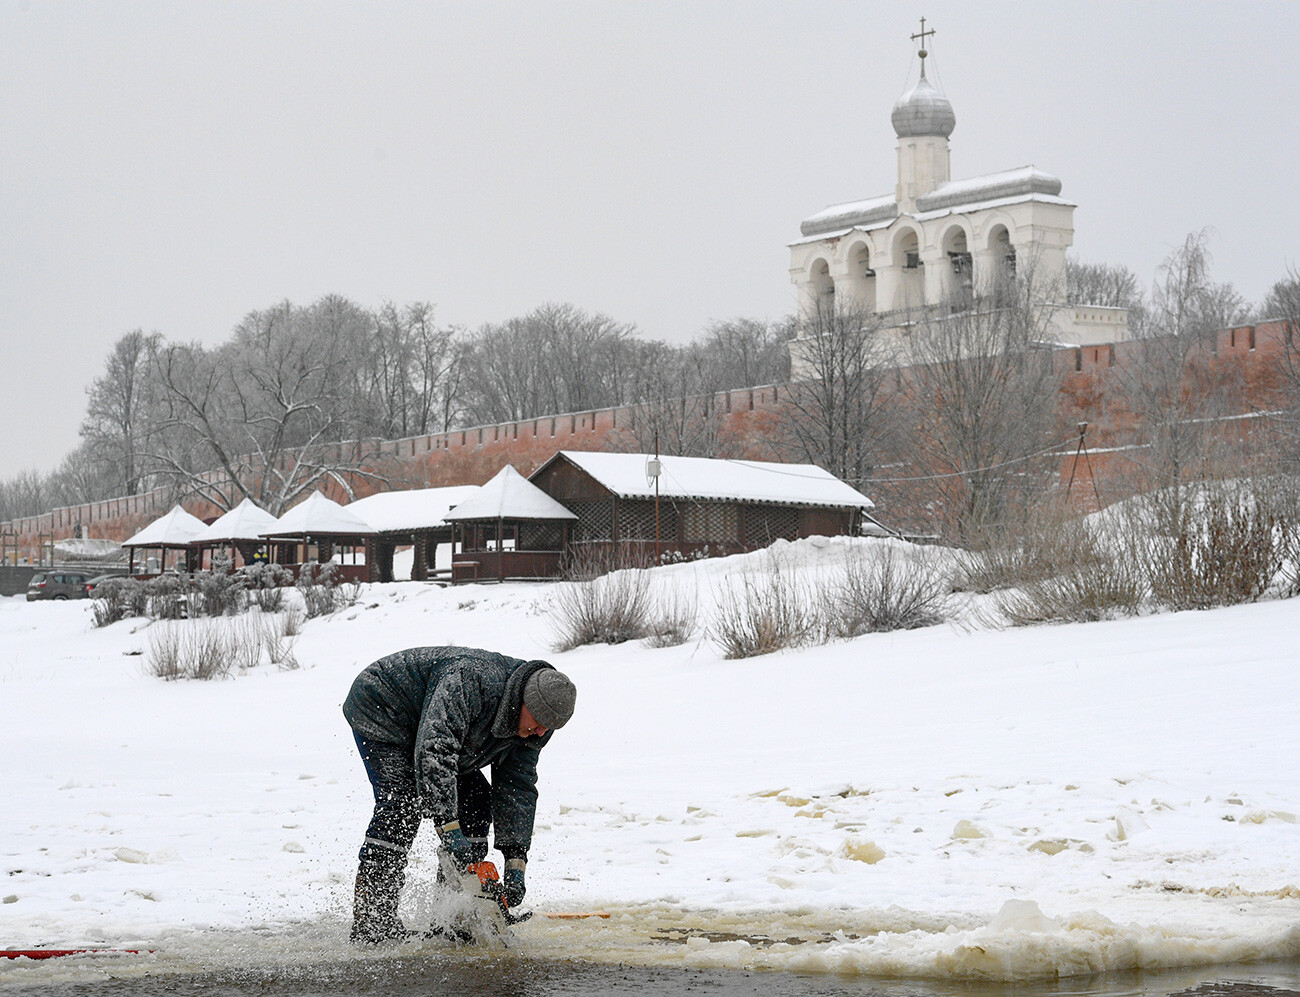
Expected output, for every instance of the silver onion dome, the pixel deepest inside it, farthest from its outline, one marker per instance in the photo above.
(923, 110)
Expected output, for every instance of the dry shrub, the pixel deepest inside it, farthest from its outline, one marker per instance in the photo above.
(206, 650)
(608, 609)
(292, 621)
(1083, 593)
(587, 561)
(1046, 543)
(279, 634)
(884, 588)
(164, 658)
(244, 642)
(1227, 547)
(203, 649)
(674, 616)
(763, 611)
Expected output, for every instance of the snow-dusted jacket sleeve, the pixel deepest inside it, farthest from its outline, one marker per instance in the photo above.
(449, 709)
(514, 799)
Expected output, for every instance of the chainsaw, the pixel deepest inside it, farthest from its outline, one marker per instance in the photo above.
(480, 881)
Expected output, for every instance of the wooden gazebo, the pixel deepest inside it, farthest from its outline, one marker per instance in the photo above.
(238, 532)
(509, 528)
(175, 530)
(322, 523)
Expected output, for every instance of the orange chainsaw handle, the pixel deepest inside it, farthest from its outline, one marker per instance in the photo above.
(489, 882)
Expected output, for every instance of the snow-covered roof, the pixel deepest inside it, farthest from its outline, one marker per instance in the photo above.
(765, 482)
(246, 521)
(176, 528)
(318, 516)
(89, 548)
(1021, 181)
(416, 509)
(1025, 183)
(873, 211)
(509, 495)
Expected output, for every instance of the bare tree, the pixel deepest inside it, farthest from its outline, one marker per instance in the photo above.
(835, 415)
(268, 411)
(406, 377)
(557, 358)
(1174, 387)
(25, 494)
(1103, 284)
(982, 393)
(743, 353)
(672, 406)
(119, 417)
(1282, 304)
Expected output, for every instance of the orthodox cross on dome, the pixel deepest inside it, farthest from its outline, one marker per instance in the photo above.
(921, 37)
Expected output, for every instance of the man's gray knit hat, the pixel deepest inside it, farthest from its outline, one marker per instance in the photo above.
(549, 696)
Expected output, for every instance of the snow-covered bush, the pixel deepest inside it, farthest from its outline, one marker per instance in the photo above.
(118, 599)
(219, 592)
(266, 584)
(168, 597)
(884, 587)
(318, 584)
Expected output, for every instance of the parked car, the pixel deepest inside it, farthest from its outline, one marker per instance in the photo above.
(57, 584)
(93, 584)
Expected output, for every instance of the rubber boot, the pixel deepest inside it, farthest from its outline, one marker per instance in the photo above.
(381, 874)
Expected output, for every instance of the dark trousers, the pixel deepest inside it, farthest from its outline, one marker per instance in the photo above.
(391, 770)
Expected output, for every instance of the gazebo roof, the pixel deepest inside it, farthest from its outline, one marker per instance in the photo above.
(509, 495)
(415, 509)
(246, 521)
(319, 516)
(176, 528)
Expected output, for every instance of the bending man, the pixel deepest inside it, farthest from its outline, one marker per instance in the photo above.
(427, 721)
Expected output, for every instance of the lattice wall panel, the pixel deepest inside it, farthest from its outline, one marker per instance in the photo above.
(595, 521)
(711, 522)
(541, 536)
(636, 521)
(767, 523)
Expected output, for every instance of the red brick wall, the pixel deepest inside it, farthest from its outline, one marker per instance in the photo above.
(750, 427)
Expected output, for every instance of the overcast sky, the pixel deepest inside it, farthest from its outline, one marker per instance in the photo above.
(173, 166)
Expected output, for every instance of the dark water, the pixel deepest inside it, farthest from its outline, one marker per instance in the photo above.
(452, 973)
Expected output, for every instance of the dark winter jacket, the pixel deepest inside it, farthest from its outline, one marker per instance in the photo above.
(456, 709)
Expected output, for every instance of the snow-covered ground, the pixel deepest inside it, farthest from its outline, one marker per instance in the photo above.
(951, 802)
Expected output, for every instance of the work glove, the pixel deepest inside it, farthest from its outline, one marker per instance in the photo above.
(512, 883)
(457, 845)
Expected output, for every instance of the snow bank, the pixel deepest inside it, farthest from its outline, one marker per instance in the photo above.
(951, 802)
